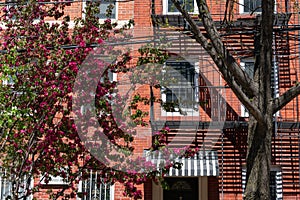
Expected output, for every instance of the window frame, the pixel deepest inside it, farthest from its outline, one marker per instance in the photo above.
(103, 19)
(166, 12)
(242, 7)
(188, 111)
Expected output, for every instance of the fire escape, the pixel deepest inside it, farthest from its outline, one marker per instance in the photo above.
(230, 140)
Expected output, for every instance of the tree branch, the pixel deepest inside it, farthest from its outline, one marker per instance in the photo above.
(225, 62)
(285, 98)
(241, 78)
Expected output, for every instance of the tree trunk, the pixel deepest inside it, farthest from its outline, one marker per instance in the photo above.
(258, 160)
(260, 132)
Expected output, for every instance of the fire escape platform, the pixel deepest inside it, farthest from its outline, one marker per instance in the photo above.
(184, 125)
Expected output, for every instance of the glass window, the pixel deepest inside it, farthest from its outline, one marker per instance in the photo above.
(251, 5)
(107, 9)
(188, 4)
(180, 90)
(248, 67)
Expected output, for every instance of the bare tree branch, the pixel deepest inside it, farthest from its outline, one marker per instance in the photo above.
(241, 78)
(285, 98)
(225, 62)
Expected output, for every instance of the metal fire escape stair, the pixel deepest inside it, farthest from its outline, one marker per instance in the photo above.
(282, 59)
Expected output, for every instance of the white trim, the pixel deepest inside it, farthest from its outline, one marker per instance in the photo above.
(112, 192)
(244, 111)
(55, 180)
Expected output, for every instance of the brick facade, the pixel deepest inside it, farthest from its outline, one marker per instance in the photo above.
(231, 144)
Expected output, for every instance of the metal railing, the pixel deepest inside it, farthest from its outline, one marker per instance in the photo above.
(94, 188)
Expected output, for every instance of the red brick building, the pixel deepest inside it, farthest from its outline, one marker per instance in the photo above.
(218, 122)
(209, 116)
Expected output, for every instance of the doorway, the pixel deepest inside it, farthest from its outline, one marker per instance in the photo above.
(181, 189)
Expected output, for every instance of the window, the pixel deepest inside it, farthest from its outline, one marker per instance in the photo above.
(179, 94)
(189, 5)
(54, 180)
(109, 76)
(248, 67)
(6, 186)
(249, 6)
(14, 6)
(8, 81)
(275, 182)
(94, 188)
(11, 5)
(106, 5)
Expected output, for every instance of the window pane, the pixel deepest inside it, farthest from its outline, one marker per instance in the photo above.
(249, 69)
(180, 93)
(182, 72)
(189, 5)
(252, 5)
(103, 9)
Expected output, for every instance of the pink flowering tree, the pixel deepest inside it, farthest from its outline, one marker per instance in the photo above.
(42, 131)
(39, 64)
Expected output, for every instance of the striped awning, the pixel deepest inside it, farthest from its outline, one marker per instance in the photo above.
(204, 163)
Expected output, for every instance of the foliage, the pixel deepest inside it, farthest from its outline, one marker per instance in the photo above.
(39, 64)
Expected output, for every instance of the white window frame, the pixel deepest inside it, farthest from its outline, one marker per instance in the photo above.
(102, 20)
(165, 8)
(188, 111)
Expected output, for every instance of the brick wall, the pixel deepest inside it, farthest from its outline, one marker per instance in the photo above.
(125, 10)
